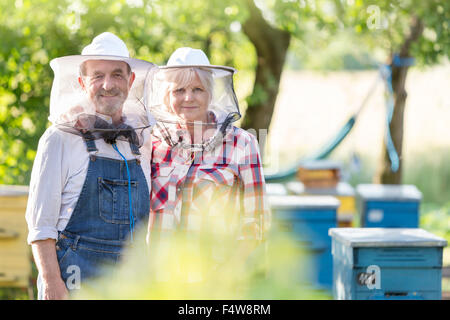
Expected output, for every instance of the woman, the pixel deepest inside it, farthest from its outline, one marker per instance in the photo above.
(206, 174)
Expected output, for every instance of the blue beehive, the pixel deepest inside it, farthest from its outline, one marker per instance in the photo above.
(386, 263)
(307, 220)
(388, 206)
(343, 191)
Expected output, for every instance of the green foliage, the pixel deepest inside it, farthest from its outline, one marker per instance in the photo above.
(25, 81)
(385, 25)
(208, 267)
(436, 219)
(355, 34)
(343, 53)
(259, 96)
(430, 171)
(206, 261)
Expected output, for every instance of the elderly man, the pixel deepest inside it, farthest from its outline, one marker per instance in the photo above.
(88, 190)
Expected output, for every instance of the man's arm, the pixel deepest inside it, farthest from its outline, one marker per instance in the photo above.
(43, 210)
(44, 253)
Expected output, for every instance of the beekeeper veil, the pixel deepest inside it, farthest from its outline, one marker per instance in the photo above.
(83, 101)
(190, 92)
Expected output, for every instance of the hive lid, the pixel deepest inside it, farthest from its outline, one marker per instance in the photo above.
(388, 192)
(303, 202)
(11, 190)
(386, 237)
(275, 189)
(341, 189)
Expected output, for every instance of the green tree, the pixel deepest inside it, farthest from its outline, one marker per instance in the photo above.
(271, 45)
(25, 80)
(401, 29)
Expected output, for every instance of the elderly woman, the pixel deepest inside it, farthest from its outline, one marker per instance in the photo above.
(206, 173)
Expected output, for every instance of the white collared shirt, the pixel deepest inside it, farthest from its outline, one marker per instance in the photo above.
(58, 175)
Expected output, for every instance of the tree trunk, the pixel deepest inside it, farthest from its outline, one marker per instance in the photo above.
(385, 175)
(271, 47)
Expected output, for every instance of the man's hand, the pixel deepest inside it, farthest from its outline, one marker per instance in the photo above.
(54, 289)
(44, 252)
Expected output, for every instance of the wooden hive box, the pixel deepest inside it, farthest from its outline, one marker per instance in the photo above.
(343, 191)
(15, 263)
(319, 174)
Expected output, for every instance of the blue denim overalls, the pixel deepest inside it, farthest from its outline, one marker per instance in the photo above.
(100, 224)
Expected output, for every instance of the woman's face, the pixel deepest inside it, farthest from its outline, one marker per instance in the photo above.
(190, 102)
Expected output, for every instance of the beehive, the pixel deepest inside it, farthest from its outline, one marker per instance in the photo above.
(307, 220)
(388, 206)
(343, 191)
(15, 263)
(386, 264)
(319, 174)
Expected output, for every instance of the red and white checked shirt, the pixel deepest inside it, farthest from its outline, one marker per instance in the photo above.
(226, 183)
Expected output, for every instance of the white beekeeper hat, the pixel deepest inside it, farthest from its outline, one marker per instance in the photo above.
(105, 46)
(188, 57)
(66, 90)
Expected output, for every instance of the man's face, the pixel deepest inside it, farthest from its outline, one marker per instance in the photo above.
(107, 82)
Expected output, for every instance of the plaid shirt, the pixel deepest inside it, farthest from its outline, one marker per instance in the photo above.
(225, 184)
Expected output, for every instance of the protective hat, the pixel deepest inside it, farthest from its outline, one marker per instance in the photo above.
(188, 57)
(72, 110)
(222, 109)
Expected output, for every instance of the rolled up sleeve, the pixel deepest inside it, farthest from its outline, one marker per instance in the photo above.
(46, 184)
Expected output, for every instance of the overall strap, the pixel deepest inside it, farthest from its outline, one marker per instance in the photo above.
(134, 148)
(90, 142)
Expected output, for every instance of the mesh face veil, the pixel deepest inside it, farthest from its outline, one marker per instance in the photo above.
(192, 97)
(84, 95)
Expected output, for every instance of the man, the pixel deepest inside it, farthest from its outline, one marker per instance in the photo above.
(85, 200)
